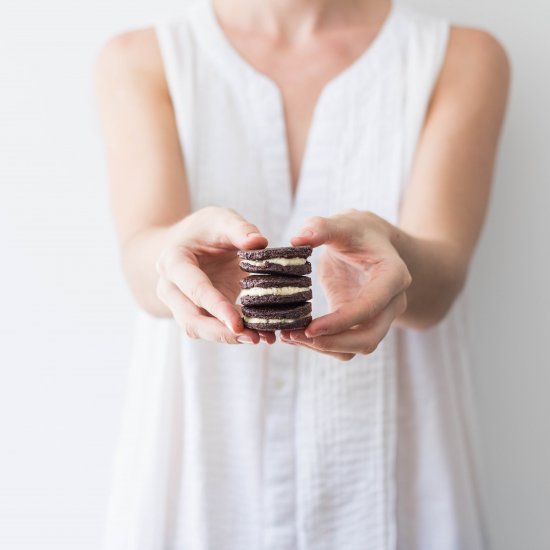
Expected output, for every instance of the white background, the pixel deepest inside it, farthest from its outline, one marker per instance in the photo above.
(66, 315)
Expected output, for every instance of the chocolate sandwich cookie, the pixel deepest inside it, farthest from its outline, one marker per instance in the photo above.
(277, 317)
(290, 260)
(274, 289)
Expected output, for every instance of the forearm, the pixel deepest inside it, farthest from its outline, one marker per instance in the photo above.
(438, 271)
(139, 255)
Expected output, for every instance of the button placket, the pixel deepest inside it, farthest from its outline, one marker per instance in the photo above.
(279, 503)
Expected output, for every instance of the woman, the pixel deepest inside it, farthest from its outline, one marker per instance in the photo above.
(368, 131)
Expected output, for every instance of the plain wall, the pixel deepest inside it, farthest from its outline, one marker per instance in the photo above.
(66, 315)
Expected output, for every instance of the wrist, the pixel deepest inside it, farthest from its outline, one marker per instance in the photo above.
(139, 256)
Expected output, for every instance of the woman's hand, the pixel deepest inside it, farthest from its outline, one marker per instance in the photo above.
(199, 275)
(364, 280)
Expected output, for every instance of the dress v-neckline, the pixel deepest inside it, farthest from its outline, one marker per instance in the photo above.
(265, 88)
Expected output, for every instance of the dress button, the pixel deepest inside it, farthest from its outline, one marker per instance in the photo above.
(279, 382)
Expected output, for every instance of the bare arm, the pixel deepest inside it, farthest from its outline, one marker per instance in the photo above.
(146, 172)
(410, 274)
(446, 201)
(177, 263)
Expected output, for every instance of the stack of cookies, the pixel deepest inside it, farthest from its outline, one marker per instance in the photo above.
(276, 297)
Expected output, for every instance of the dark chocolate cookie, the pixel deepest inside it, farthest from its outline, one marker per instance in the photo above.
(289, 260)
(277, 317)
(274, 289)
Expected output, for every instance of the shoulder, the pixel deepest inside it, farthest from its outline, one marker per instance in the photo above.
(475, 61)
(130, 57)
(477, 49)
(475, 75)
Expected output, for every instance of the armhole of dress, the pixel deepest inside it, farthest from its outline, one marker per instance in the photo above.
(443, 48)
(174, 62)
(165, 39)
(440, 48)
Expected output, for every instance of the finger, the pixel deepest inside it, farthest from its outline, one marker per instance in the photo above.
(295, 342)
(336, 355)
(194, 323)
(233, 231)
(318, 230)
(268, 336)
(387, 279)
(211, 329)
(183, 271)
(362, 339)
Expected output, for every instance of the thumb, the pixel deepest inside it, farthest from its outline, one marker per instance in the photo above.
(234, 231)
(318, 230)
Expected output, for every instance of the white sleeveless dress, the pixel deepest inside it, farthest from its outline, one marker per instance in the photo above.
(280, 448)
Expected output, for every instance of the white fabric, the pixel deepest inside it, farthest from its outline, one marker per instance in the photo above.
(276, 448)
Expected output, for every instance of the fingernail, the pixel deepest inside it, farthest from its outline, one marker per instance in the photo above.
(254, 234)
(306, 233)
(245, 340)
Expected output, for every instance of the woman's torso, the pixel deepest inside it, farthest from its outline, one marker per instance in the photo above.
(277, 447)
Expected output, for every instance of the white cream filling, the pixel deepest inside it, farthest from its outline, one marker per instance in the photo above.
(273, 321)
(279, 261)
(275, 291)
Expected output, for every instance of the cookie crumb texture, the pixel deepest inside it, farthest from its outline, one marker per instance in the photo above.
(276, 296)
(290, 260)
(277, 317)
